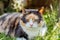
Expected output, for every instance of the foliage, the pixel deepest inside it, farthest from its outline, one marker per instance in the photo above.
(4, 37)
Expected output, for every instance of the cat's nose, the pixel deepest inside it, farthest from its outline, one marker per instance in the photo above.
(31, 24)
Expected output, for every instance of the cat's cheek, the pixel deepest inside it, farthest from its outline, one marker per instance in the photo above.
(35, 25)
(27, 25)
(43, 31)
(41, 23)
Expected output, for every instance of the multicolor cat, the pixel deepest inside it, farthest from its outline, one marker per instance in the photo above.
(24, 26)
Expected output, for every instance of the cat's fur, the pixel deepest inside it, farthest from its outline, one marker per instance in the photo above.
(23, 26)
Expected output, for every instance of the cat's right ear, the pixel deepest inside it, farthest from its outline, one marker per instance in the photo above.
(41, 10)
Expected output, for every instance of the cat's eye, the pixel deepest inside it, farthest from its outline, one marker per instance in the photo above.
(27, 20)
(36, 20)
(24, 20)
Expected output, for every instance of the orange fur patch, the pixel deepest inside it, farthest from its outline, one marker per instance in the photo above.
(41, 10)
(31, 16)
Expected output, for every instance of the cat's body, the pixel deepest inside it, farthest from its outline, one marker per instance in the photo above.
(25, 26)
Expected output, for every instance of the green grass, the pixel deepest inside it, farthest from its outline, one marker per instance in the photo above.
(4, 37)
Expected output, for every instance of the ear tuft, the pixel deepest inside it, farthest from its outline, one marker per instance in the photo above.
(23, 11)
(41, 10)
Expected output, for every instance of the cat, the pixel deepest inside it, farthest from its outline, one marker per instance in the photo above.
(33, 24)
(23, 26)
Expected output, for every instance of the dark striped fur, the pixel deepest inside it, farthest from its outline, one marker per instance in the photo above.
(9, 24)
(14, 24)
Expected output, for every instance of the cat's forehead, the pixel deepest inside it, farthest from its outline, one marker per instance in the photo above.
(32, 15)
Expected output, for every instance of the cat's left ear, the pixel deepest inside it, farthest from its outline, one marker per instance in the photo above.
(41, 10)
(23, 11)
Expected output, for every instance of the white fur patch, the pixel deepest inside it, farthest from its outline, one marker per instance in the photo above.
(35, 31)
(43, 31)
(20, 39)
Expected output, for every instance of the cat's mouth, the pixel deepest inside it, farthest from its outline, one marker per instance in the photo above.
(33, 28)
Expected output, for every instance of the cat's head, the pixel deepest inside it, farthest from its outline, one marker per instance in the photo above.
(31, 19)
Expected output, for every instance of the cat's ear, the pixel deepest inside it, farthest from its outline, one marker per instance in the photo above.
(41, 10)
(23, 11)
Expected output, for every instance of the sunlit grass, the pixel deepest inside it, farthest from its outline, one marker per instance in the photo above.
(4, 37)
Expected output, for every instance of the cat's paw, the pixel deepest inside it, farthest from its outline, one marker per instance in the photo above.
(20, 39)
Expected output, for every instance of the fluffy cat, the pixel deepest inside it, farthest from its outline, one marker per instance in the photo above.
(33, 24)
(23, 26)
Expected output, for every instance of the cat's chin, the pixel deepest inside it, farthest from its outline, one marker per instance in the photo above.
(20, 39)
